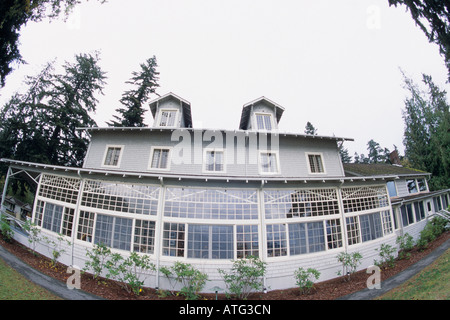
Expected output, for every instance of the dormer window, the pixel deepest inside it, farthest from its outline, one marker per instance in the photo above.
(264, 121)
(167, 118)
(315, 163)
(214, 160)
(269, 162)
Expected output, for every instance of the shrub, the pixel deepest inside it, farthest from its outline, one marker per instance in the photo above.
(406, 244)
(431, 231)
(5, 228)
(245, 277)
(304, 279)
(128, 272)
(34, 234)
(350, 262)
(98, 257)
(386, 253)
(191, 279)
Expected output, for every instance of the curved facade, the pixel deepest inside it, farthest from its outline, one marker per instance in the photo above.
(287, 200)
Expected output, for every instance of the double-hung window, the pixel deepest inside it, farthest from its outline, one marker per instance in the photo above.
(167, 118)
(214, 161)
(112, 156)
(269, 162)
(264, 121)
(315, 163)
(160, 158)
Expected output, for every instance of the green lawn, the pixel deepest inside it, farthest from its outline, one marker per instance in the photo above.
(433, 283)
(13, 286)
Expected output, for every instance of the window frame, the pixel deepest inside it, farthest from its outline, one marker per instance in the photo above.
(205, 158)
(119, 159)
(320, 154)
(169, 158)
(277, 162)
(160, 114)
(264, 114)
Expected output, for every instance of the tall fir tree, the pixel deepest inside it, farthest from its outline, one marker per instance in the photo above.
(145, 83)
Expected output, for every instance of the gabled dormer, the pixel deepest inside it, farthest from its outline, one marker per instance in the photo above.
(171, 111)
(261, 115)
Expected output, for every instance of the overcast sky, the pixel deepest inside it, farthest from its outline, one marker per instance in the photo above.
(333, 63)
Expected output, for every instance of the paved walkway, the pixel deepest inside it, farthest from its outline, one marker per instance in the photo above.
(56, 287)
(399, 278)
(60, 289)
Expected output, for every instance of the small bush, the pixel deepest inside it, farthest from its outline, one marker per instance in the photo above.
(350, 262)
(191, 279)
(406, 244)
(431, 231)
(304, 279)
(386, 253)
(245, 277)
(5, 228)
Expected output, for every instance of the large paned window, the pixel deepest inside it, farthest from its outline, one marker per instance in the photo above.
(247, 241)
(120, 197)
(419, 210)
(226, 204)
(356, 199)
(371, 228)
(52, 217)
(114, 232)
(306, 237)
(300, 203)
(367, 227)
(144, 236)
(58, 188)
(407, 214)
(86, 226)
(210, 242)
(173, 239)
(276, 240)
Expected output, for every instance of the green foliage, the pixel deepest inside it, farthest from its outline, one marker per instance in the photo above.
(191, 279)
(56, 247)
(34, 234)
(145, 83)
(5, 228)
(129, 272)
(245, 277)
(431, 231)
(304, 279)
(350, 262)
(98, 257)
(386, 253)
(426, 138)
(406, 244)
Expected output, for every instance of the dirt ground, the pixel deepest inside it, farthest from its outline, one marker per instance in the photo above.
(326, 290)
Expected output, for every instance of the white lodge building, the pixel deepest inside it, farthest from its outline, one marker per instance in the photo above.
(207, 197)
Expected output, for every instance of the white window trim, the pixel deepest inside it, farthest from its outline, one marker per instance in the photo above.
(278, 171)
(169, 158)
(205, 151)
(307, 154)
(158, 120)
(272, 124)
(122, 148)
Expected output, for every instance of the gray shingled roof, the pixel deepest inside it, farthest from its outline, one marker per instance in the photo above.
(376, 169)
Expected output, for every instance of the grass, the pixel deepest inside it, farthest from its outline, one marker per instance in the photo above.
(433, 283)
(14, 286)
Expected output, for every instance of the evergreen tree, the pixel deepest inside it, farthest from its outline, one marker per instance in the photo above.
(41, 124)
(146, 83)
(433, 17)
(343, 152)
(309, 129)
(375, 152)
(427, 126)
(16, 13)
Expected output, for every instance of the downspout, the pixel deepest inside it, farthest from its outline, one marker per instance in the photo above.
(158, 229)
(76, 214)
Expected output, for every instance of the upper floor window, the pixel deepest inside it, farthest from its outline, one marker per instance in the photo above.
(160, 158)
(112, 156)
(416, 185)
(214, 160)
(264, 121)
(269, 162)
(315, 163)
(167, 118)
